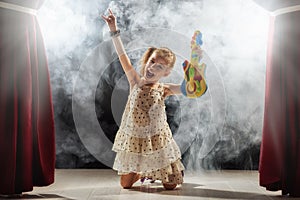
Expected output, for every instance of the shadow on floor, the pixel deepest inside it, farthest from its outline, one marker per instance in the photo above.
(195, 190)
(35, 196)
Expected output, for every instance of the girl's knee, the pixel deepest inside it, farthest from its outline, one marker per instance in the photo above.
(126, 185)
(128, 180)
(168, 186)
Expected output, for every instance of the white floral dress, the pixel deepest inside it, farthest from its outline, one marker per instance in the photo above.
(144, 142)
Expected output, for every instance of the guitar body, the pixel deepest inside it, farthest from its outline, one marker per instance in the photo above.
(194, 84)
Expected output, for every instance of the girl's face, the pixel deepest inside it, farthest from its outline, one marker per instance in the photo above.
(156, 68)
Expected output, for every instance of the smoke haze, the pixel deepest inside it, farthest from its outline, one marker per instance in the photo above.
(222, 129)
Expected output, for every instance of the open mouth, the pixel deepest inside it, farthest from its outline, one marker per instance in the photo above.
(149, 74)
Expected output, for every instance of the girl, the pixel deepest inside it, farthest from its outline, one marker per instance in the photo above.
(144, 144)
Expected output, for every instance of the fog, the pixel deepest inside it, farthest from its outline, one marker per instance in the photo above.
(221, 129)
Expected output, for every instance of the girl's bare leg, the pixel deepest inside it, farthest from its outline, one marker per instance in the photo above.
(128, 180)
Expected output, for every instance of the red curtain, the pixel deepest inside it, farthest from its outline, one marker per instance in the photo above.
(27, 142)
(279, 166)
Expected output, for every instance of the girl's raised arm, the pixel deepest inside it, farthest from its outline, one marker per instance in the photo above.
(130, 72)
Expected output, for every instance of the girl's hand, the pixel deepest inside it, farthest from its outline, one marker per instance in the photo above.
(110, 21)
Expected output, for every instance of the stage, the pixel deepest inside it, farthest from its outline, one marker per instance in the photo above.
(103, 184)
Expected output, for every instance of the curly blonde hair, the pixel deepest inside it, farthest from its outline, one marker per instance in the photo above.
(163, 52)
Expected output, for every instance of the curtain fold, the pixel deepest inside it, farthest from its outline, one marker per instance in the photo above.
(279, 165)
(27, 140)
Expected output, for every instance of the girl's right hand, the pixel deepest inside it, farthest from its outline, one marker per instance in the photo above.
(110, 21)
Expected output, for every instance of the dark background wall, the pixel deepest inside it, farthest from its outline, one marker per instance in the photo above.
(221, 130)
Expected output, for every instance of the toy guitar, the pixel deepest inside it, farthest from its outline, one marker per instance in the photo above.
(194, 84)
